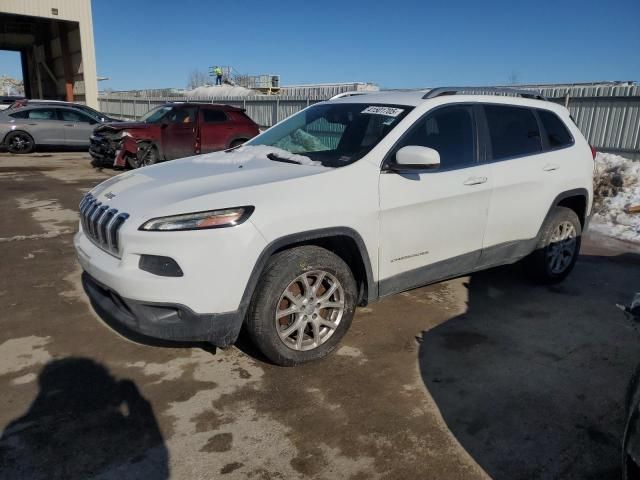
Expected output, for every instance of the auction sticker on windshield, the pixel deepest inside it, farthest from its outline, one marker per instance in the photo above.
(388, 111)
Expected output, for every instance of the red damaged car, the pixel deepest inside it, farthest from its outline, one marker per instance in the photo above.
(174, 130)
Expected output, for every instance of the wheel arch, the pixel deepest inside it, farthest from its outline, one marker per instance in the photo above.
(17, 130)
(236, 138)
(342, 241)
(576, 200)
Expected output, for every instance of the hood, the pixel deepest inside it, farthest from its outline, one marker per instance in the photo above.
(202, 182)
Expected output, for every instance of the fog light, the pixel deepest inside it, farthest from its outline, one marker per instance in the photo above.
(163, 266)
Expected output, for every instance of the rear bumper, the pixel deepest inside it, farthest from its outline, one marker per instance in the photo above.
(163, 321)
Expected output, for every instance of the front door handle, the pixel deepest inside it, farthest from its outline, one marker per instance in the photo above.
(475, 180)
(550, 167)
(69, 125)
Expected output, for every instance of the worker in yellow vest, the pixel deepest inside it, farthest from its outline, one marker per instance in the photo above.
(218, 72)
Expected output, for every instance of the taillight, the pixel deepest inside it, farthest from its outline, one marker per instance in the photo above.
(594, 152)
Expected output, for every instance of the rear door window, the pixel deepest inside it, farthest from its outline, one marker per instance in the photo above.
(449, 130)
(513, 131)
(213, 116)
(557, 134)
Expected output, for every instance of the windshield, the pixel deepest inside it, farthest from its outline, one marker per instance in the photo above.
(155, 115)
(335, 134)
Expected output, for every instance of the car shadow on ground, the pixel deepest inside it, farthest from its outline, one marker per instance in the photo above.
(531, 379)
(84, 423)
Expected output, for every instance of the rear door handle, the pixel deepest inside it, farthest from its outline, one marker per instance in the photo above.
(550, 167)
(475, 180)
(69, 125)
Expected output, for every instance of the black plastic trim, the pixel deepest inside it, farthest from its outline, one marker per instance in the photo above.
(165, 321)
(297, 238)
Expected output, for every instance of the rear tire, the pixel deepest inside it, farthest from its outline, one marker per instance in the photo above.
(303, 305)
(20, 142)
(558, 247)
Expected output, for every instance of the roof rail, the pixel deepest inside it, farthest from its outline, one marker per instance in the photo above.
(437, 92)
(352, 93)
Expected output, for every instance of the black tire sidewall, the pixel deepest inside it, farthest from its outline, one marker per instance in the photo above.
(10, 138)
(280, 271)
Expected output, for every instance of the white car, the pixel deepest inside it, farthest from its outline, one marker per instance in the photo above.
(345, 202)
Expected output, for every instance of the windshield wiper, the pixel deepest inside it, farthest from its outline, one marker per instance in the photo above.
(276, 158)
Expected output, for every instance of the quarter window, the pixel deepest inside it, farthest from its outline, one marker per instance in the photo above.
(448, 130)
(213, 116)
(513, 130)
(556, 132)
(22, 114)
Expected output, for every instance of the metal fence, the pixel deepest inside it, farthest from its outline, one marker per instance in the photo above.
(608, 116)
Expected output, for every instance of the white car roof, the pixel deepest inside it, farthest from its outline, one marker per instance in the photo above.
(414, 98)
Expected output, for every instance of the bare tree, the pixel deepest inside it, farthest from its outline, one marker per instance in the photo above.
(197, 78)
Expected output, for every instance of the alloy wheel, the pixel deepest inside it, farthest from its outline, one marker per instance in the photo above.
(562, 248)
(19, 143)
(309, 310)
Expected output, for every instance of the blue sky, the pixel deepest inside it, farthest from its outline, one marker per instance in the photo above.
(399, 43)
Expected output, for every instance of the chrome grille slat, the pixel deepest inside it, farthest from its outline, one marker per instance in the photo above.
(101, 224)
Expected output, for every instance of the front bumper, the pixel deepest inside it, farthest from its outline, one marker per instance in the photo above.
(109, 151)
(164, 321)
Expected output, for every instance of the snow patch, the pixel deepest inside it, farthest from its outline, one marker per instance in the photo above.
(221, 91)
(253, 154)
(617, 186)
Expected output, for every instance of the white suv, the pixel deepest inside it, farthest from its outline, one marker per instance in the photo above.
(345, 202)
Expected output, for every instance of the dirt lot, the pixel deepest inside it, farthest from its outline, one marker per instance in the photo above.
(480, 376)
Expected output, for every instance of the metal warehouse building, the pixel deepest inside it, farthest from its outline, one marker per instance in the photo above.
(55, 41)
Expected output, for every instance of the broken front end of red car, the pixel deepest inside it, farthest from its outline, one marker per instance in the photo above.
(113, 147)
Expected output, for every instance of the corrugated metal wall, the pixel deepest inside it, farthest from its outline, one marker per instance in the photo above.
(608, 116)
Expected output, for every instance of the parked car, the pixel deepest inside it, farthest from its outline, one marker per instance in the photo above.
(170, 131)
(343, 203)
(24, 128)
(99, 116)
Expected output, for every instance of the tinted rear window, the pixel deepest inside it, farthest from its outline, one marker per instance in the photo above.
(513, 131)
(557, 133)
(214, 116)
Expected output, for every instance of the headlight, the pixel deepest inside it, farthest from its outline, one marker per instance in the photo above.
(228, 217)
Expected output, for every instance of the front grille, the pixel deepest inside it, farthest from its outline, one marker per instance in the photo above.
(101, 224)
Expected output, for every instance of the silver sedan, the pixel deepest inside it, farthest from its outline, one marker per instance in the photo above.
(22, 129)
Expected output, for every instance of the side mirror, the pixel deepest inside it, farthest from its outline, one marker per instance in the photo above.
(413, 157)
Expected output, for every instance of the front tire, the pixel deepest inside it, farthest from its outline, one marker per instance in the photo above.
(303, 305)
(20, 142)
(558, 247)
(146, 155)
